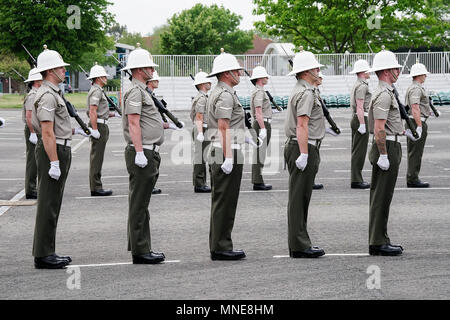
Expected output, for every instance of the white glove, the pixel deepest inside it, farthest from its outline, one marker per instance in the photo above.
(438, 112)
(54, 171)
(117, 115)
(302, 161)
(182, 124)
(94, 133)
(140, 160)
(410, 136)
(173, 127)
(362, 128)
(250, 141)
(200, 137)
(81, 132)
(262, 134)
(2, 122)
(33, 138)
(383, 162)
(227, 165)
(419, 132)
(330, 131)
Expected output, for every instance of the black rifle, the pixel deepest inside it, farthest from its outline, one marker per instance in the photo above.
(161, 108)
(111, 103)
(70, 108)
(326, 113)
(22, 77)
(404, 113)
(433, 108)
(267, 92)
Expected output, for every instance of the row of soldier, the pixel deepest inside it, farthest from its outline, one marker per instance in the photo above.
(218, 120)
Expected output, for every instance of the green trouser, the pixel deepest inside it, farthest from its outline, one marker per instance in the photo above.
(359, 149)
(199, 173)
(260, 154)
(300, 190)
(142, 181)
(31, 167)
(381, 191)
(415, 153)
(97, 155)
(224, 199)
(50, 193)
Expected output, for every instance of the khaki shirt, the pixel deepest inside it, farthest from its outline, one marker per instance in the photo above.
(304, 101)
(223, 103)
(384, 106)
(360, 91)
(50, 106)
(260, 99)
(28, 103)
(97, 98)
(199, 106)
(416, 94)
(137, 101)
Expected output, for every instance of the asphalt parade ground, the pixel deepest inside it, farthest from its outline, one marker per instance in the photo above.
(93, 231)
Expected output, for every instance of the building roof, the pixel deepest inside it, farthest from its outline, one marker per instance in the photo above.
(277, 48)
(259, 45)
(124, 46)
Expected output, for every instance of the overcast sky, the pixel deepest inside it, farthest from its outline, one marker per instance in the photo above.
(143, 15)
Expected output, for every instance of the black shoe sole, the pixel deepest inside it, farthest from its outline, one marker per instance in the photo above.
(225, 258)
(100, 195)
(30, 197)
(52, 267)
(202, 191)
(304, 255)
(359, 187)
(155, 261)
(262, 189)
(384, 253)
(418, 187)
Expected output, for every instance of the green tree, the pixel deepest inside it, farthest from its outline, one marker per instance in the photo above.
(204, 30)
(117, 31)
(37, 22)
(8, 62)
(336, 26)
(131, 38)
(156, 38)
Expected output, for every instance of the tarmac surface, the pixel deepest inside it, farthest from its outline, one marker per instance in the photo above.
(93, 230)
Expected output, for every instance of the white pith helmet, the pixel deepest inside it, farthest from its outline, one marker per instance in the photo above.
(224, 62)
(385, 60)
(139, 58)
(33, 75)
(360, 65)
(97, 72)
(49, 59)
(418, 69)
(304, 60)
(259, 72)
(200, 78)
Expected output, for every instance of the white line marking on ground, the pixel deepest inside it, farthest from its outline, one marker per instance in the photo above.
(332, 255)
(114, 264)
(331, 149)
(74, 149)
(116, 177)
(12, 139)
(116, 196)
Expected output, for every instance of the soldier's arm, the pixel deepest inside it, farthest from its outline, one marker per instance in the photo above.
(380, 135)
(133, 109)
(94, 101)
(360, 94)
(200, 109)
(414, 99)
(225, 138)
(49, 140)
(199, 121)
(302, 133)
(258, 108)
(28, 119)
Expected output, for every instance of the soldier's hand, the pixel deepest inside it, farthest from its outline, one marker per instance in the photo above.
(117, 115)
(383, 162)
(262, 133)
(182, 124)
(94, 133)
(173, 127)
(362, 128)
(2, 122)
(54, 171)
(410, 136)
(80, 132)
(140, 160)
(419, 132)
(33, 138)
(227, 165)
(250, 142)
(200, 137)
(330, 131)
(302, 161)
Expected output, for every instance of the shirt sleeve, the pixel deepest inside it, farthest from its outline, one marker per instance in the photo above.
(200, 106)
(381, 106)
(259, 98)
(29, 102)
(361, 91)
(133, 104)
(224, 106)
(305, 104)
(94, 99)
(46, 108)
(414, 96)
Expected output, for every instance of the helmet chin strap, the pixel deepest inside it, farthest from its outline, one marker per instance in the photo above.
(53, 71)
(103, 81)
(316, 76)
(234, 77)
(148, 75)
(393, 74)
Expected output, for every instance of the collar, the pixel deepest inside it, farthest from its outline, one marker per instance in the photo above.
(417, 83)
(260, 87)
(305, 84)
(97, 86)
(139, 84)
(226, 87)
(52, 86)
(386, 85)
(363, 80)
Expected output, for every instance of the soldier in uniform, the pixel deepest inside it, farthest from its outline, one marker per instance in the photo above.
(417, 99)
(305, 129)
(226, 131)
(144, 133)
(199, 120)
(262, 119)
(360, 97)
(98, 113)
(2, 122)
(31, 138)
(53, 157)
(386, 152)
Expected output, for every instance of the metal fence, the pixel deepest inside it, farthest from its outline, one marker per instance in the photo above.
(278, 65)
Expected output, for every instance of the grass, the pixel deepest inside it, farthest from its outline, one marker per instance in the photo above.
(16, 100)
